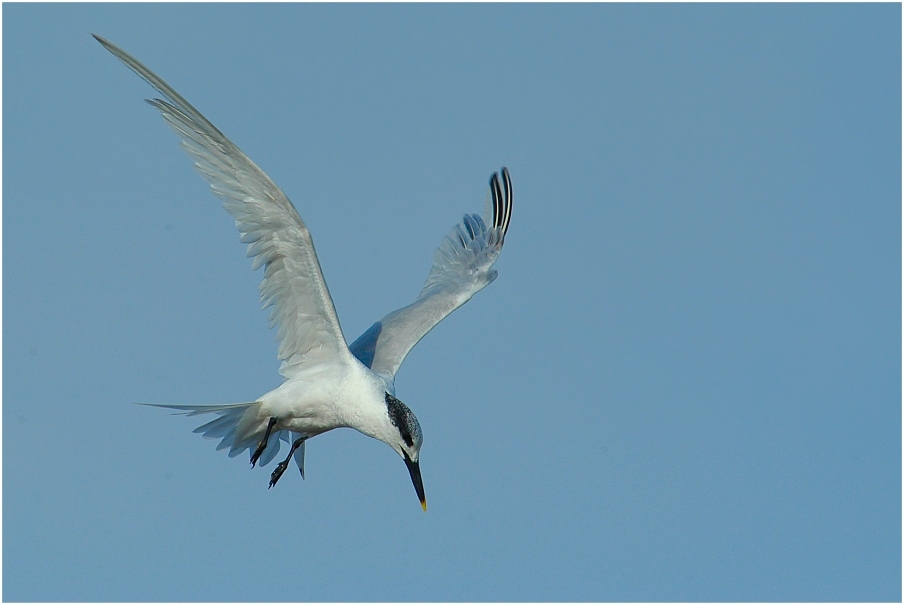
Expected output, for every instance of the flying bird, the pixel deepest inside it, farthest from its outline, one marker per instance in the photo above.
(327, 383)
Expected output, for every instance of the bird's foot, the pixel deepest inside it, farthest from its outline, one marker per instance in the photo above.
(277, 472)
(263, 444)
(257, 453)
(282, 466)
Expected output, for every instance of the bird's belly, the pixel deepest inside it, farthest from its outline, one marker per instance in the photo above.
(313, 404)
(311, 418)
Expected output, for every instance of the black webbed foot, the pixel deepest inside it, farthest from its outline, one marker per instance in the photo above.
(282, 466)
(277, 473)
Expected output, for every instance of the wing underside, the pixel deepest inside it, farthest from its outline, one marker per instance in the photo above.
(462, 266)
(276, 237)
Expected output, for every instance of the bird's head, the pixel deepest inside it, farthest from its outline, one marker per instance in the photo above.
(406, 440)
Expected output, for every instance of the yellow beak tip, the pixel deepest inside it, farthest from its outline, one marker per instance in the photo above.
(424, 505)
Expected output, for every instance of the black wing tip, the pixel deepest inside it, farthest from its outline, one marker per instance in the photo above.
(502, 199)
(498, 199)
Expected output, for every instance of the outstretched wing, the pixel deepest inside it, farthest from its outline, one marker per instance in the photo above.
(462, 266)
(277, 238)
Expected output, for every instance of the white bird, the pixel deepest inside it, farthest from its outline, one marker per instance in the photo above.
(328, 384)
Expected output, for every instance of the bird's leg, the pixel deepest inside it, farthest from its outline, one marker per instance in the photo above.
(282, 466)
(263, 444)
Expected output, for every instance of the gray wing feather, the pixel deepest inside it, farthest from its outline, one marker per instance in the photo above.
(277, 238)
(462, 266)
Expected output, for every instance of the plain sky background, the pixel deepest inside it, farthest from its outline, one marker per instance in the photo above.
(684, 385)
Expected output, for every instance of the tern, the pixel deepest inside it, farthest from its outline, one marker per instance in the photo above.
(328, 384)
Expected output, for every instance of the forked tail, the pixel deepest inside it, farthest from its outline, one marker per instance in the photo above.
(238, 427)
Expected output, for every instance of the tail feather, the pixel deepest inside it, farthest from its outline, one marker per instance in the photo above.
(217, 428)
(299, 453)
(197, 410)
(234, 425)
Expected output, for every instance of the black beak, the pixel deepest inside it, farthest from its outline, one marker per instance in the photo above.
(415, 471)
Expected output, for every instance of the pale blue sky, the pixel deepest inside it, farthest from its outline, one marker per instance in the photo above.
(684, 385)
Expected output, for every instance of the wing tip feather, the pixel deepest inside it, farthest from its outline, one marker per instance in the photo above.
(502, 197)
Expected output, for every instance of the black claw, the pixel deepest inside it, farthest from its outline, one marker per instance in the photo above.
(257, 453)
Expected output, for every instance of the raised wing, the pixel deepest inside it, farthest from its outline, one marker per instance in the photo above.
(462, 266)
(277, 238)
